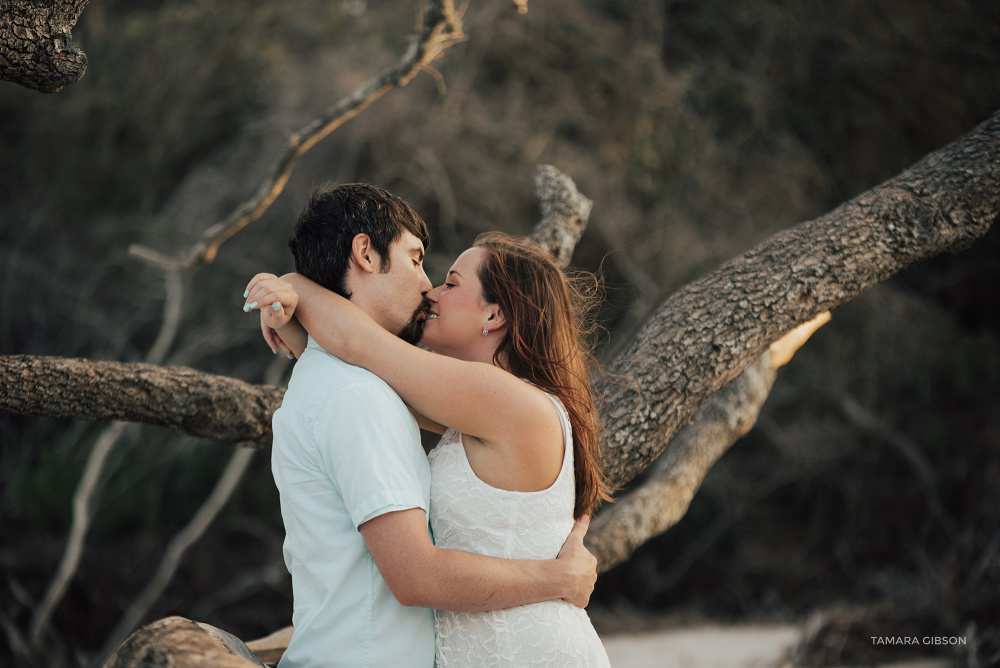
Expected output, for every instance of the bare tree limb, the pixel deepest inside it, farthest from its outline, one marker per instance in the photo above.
(707, 333)
(191, 533)
(15, 640)
(438, 29)
(36, 44)
(178, 547)
(564, 213)
(664, 496)
(82, 513)
(225, 410)
(88, 488)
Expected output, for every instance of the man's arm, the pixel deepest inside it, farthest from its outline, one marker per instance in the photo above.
(420, 574)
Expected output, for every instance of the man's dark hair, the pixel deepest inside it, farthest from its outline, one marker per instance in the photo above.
(321, 241)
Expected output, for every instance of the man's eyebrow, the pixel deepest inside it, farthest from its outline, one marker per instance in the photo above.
(418, 251)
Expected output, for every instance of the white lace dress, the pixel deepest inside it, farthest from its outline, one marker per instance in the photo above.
(468, 514)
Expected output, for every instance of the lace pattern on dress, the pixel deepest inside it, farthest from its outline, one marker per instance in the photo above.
(471, 515)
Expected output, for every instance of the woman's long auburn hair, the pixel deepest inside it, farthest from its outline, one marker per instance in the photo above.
(548, 318)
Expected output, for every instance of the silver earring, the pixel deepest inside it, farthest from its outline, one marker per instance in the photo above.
(485, 331)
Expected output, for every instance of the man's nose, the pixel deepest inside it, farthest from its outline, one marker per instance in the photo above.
(425, 283)
(433, 293)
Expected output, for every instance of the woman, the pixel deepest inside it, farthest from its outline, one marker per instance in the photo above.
(519, 461)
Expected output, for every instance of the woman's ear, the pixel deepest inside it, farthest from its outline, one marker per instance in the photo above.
(362, 253)
(496, 320)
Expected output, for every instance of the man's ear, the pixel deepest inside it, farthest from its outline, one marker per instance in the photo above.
(362, 253)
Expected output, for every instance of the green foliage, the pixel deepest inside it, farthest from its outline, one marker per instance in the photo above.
(39, 487)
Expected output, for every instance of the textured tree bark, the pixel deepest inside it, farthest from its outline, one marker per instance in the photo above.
(181, 643)
(707, 333)
(663, 497)
(204, 405)
(36, 43)
(271, 648)
(565, 213)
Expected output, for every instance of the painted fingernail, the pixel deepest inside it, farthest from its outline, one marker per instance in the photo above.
(254, 305)
(246, 293)
(277, 306)
(274, 350)
(246, 308)
(291, 356)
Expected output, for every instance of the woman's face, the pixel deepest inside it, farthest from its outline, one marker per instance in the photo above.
(458, 312)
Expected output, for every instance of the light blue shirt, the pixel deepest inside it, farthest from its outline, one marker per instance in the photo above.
(346, 450)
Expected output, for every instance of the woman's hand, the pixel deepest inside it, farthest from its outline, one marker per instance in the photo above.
(276, 300)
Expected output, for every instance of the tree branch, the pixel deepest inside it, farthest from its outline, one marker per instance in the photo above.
(438, 29)
(178, 547)
(664, 496)
(88, 489)
(196, 527)
(225, 410)
(83, 507)
(564, 213)
(36, 44)
(707, 333)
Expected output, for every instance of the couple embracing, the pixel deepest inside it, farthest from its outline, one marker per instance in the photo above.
(472, 555)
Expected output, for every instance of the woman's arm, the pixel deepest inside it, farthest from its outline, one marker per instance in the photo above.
(473, 397)
(291, 338)
(428, 424)
(278, 325)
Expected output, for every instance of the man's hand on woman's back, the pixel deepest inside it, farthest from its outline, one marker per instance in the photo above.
(580, 564)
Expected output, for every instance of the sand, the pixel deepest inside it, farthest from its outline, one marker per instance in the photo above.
(745, 646)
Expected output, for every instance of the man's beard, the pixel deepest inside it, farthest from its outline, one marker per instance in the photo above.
(414, 329)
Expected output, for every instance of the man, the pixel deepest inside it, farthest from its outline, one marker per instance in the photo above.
(353, 477)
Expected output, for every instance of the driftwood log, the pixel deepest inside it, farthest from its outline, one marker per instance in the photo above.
(178, 642)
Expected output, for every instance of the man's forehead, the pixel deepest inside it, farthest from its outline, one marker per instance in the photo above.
(410, 243)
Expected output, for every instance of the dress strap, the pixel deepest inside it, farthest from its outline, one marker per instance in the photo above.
(567, 429)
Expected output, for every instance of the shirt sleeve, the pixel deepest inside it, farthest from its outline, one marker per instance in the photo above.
(369, 445)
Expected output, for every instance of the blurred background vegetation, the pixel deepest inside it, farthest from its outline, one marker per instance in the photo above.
(698, 127)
